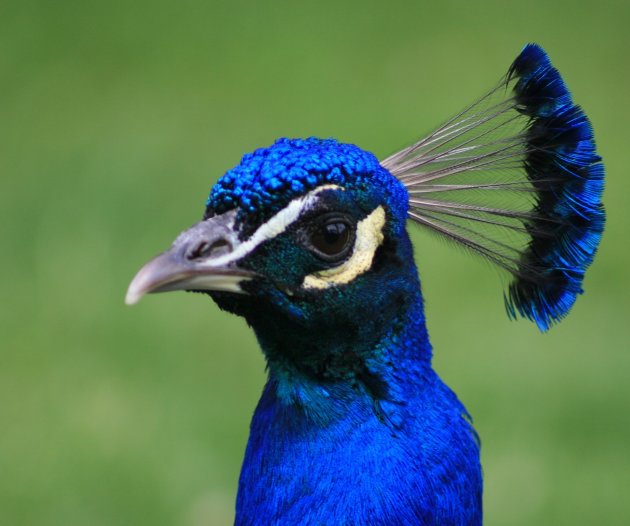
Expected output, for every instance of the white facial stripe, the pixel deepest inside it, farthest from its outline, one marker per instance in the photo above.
(272, 228)
(369, 237)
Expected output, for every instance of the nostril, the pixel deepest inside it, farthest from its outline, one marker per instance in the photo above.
(205, 249)
(218, 248)
(199, 250)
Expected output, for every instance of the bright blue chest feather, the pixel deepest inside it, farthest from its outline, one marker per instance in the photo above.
(334, 455)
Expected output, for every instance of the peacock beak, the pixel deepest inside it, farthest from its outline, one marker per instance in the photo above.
(204, 257)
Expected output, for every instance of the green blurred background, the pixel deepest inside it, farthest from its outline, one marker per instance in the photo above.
(115, 120)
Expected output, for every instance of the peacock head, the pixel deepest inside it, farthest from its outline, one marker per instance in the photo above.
(305, 239)
(311, 233)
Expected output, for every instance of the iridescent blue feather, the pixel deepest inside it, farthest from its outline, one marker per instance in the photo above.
(515, 177)
(562, 147)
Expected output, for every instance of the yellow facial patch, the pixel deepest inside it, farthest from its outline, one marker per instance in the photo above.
(368, 238)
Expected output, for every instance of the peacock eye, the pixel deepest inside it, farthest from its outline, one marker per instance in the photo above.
(332, 238)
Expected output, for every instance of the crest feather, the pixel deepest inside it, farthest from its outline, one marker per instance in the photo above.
(515, 177)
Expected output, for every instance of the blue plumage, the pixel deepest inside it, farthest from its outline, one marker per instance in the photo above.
(267, 179)
(529, 143)
(307, 240)
(562, 149)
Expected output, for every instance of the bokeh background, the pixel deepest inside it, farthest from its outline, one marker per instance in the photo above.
(116, 118)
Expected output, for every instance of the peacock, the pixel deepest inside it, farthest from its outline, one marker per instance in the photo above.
(307, 240)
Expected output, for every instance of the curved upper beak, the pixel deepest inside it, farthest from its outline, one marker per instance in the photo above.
(201, 258)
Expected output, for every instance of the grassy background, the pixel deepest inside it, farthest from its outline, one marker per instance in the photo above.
(116, 118)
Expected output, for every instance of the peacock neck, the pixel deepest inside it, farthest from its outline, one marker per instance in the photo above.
(323, 373)
(392, 445)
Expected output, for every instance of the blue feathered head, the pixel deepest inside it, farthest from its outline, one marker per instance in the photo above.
(268, 179)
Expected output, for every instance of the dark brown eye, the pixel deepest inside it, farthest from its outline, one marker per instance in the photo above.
(331, 238)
